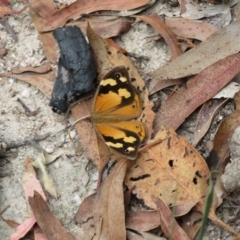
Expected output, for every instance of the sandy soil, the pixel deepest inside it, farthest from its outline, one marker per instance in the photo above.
(74, 176)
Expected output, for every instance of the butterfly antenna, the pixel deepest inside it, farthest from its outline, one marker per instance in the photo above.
(71, 125)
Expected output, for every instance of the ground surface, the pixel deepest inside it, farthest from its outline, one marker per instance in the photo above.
(74, 176)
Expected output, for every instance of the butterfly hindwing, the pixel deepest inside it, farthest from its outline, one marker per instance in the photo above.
(124, 137)
(116, 97)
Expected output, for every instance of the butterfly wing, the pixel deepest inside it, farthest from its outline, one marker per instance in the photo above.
(116, 98)
(123, 137)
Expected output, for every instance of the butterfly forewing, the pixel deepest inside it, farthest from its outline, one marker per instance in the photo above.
(125, 137)
(116, 97)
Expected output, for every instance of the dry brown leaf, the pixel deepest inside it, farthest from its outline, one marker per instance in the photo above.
(44, 82)
(45, 67)
(143, 220)
(48, 42)
(30, 184)
(188, 28)
(109, 213)
(39, 234)
(133, 235)
(219, 45)
(160, 171)
(183, 4)
(85, 209)
(44, 8)
(224, 133)
(105, 28)
(76, 9)
(199, 89)
(169, 225)
(205, 117)
(50, 225)
(157, 22)
(159, 85)
(191, 223)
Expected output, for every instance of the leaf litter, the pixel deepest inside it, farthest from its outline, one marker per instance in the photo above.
(103, 222)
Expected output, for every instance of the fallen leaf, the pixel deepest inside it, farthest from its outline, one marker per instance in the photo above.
(224, 133)
(48, 42)
(76, 9)
(205, 117)
(4, 10)
(169, 225)
(133, 235)
(218, 46)
(45, 67)
(23, 228)
(160, 171)
(109, 213)
(85, 209)
(40, 162)
(199, 89)
(105, 28)
(39, 234)
(188, 28)
(191, 223)
(143, 220)
(158, 23)
(30, 184)
(185, 3)
(44, 82)
(50, 225)
(44, 8)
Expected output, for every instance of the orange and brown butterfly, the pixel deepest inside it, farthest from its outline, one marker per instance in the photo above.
(115, 105)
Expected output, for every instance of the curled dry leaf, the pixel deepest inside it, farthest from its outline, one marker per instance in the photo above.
(199, 89)
(161, 171)
(105, 28)
(224, 133)
(30, 184)
(47, 39)
(143, 220)
(188, 28)
(219, 45)
(133, 235)
(169, 225)
(85, 209)
(40, 162)
(76, 9)
(109, 213)
(191, 223)
(45, 67)
(205, 117)
(158, 23)
(44, 8)
(44, 82)
(50, 225)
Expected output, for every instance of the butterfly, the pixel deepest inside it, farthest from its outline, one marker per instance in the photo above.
(115, 105)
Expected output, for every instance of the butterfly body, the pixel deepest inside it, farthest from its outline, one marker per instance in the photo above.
(117, 103)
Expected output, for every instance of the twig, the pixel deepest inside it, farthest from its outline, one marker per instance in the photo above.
(28, 112)
(31, 141)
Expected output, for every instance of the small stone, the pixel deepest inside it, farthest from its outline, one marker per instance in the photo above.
(26, 93)
(49, 149)
(72, 134)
